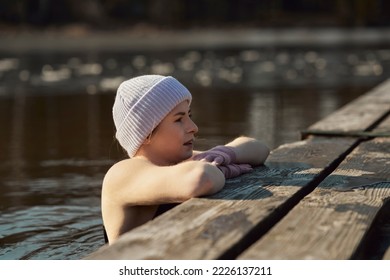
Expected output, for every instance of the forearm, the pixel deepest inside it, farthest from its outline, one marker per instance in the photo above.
(204, 179)
(213, 180)
(249, 150)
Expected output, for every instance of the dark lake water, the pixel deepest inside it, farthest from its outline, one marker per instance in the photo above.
(57, 137)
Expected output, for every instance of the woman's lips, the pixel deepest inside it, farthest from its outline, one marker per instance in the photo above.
(189, 143)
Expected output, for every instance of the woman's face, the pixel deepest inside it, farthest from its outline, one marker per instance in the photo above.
(172, 140)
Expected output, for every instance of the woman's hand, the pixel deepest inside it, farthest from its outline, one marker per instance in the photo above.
(219, 155)
(224, 157)
(236, 157)
(233, 170)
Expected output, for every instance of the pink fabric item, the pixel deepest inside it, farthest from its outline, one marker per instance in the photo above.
(219, 155)
(234, 170)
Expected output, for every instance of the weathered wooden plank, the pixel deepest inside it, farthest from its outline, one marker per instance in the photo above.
(384, 126)
(331, 222)
(387, 254)
(359, 115)
(223, 225)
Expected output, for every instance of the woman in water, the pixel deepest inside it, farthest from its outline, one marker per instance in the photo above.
(153, 123)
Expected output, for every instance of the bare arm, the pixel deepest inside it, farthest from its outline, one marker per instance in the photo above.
(249, 150)
(138, 182)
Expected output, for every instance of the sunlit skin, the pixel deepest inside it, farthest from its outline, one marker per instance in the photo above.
(172, 141)
(162, 172)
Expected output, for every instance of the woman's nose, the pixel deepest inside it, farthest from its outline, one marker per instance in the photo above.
(192, 128)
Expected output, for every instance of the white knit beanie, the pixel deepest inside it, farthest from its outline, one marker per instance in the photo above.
(141, 103)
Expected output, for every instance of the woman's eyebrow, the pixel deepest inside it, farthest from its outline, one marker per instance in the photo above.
(179, 114)
(182, 113)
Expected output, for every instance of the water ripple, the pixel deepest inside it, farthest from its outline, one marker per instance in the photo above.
(50, 232)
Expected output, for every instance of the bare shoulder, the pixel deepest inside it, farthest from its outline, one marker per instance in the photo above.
(124, 172)
(124, 167)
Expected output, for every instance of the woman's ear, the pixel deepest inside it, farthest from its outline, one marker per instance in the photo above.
(148, 139)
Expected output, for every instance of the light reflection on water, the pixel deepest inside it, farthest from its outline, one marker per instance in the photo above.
(57, 141)
(266, 67)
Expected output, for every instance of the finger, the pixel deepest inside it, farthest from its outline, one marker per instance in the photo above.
(245, 168)
(223, 157)
(235, 170)
(219, 160)
(209, 158)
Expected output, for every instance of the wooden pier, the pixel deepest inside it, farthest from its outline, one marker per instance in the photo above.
(324, 197)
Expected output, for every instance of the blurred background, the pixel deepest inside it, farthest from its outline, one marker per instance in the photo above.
(266, 69)
(109, 14)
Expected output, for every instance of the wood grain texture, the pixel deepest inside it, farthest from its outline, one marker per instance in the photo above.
(384, 126)
(207, 228)
(330, 222)
(360, 114)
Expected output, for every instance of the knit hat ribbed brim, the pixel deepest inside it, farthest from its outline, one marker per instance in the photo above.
(141, 103)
